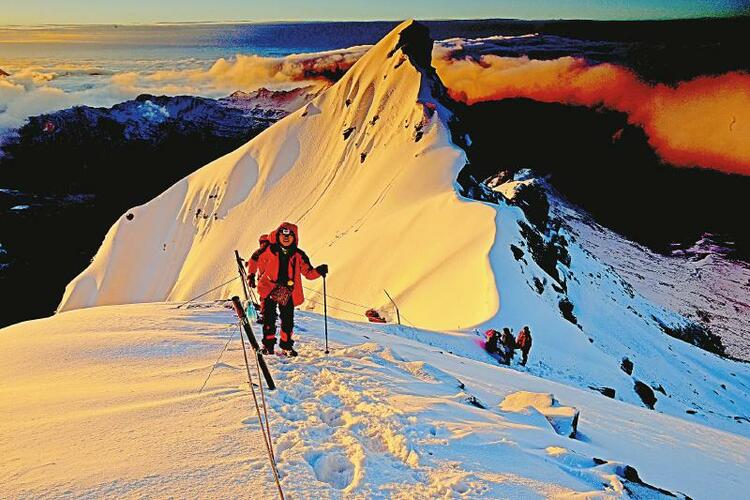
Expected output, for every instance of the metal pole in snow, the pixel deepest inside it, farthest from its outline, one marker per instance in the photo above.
(325, 310)
(398, 314)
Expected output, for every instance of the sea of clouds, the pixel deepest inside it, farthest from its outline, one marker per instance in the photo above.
(704, 121)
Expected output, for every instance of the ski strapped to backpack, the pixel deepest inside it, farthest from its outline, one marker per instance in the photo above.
(245, 323)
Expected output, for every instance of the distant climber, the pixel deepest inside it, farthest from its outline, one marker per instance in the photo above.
(280, 266)
(374, 316)
(262, 245)
(497, 347)
(524, 343)
(508, 345)
(492, 338)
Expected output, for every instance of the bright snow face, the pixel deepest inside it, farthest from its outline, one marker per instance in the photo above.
(367, 171)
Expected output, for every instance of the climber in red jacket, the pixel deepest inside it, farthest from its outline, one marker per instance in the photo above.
(280, 266)
(523, 341)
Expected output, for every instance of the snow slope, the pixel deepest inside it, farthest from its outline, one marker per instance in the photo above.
(700, 283)
(368, 171)
(104, 402)
(381, 194)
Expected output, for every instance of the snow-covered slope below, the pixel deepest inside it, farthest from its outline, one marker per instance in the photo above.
(610, 336)
(368, 171)
(104, 402)
(701, 283)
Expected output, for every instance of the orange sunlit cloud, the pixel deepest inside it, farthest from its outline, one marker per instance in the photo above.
(703, 122)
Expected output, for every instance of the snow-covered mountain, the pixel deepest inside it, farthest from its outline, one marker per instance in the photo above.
(273, 104)
(368, 170)
(144, 117)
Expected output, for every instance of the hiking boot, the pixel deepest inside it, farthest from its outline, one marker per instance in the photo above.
(289, 352)
(267, 351)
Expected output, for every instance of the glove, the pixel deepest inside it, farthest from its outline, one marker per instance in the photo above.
(322, 269)
(251, 280)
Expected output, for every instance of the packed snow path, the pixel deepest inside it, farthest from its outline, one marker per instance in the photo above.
(104, 401)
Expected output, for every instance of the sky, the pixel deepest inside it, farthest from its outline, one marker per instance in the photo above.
(32, 12)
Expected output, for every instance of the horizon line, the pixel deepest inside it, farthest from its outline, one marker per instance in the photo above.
(313, 21)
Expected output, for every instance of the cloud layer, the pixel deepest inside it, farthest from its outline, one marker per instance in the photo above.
(32, 89)
(702, 122)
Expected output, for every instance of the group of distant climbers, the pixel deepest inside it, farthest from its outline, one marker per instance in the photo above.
(502, 346)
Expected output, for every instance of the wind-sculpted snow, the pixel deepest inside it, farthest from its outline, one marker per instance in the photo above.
(105, 402)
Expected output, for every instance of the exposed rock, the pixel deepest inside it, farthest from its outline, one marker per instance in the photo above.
(606, 391)
(694, 333)
(631, 481)
(646, 394)
(626, 365)
(517, 252)
(473, 401)
(532, 199)
(566, 308)
(348, 132)
(539, 286)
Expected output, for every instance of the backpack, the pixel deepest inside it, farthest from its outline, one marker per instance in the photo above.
(523, 340)
(492, 337)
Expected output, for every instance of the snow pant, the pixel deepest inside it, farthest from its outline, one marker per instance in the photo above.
(525, 355)
(286, 312)
(507, 355)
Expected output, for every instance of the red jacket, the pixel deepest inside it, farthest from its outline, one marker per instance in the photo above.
(265, 262)
(523, 340)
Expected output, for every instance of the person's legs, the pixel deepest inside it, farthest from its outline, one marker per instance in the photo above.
(525, 356)
(269, 323)
(508, 356)
(287, 325)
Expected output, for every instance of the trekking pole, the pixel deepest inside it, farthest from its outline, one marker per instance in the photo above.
(325, 311)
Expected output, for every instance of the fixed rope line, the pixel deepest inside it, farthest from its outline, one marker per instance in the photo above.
(337, 298)
(265, 412)
(266, 435)
(218, 359)
(354, 304)
(407, 320)
(206, 293)
(314, 301)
